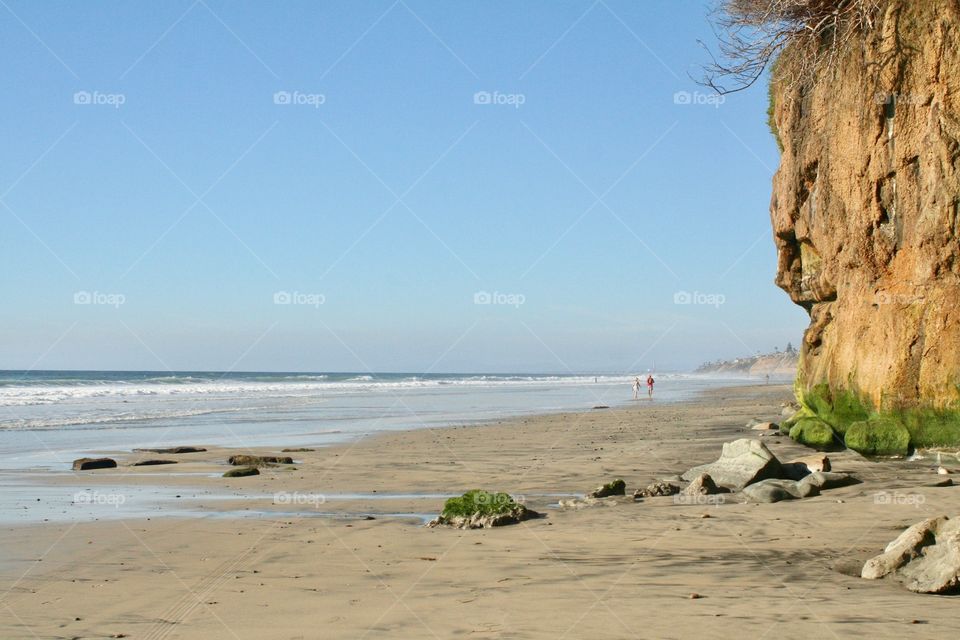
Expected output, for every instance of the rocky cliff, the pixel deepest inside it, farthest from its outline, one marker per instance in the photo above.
(866, 219)
(779, 365)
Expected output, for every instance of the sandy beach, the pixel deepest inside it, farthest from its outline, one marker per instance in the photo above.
(356, 561)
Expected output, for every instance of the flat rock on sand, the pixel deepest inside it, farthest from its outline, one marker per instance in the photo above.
(170, 450)
(741, 463)
(242, 460)
(86, 464)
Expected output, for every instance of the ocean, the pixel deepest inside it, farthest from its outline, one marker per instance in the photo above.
(48, 418)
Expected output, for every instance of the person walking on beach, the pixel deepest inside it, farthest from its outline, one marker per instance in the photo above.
(650, 386)
(636, 388)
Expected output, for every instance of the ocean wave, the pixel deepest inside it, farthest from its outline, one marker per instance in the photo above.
(185, 386)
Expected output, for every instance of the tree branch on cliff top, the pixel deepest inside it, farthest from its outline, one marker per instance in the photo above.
(752, 33)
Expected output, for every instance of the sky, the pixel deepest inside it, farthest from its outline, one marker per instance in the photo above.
(380, 185)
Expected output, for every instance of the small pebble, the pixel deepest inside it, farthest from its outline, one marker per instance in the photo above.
(695, 596)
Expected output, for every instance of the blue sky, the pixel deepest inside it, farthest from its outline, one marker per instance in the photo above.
(338, 185)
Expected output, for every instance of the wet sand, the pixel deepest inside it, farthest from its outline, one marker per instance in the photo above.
(290, 553)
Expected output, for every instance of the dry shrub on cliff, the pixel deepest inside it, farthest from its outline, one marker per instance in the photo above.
(753, 33)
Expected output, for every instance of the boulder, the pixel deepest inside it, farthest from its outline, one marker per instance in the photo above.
(775, 490)
(815, 433)
(741, 463)
(170, 450)
(86, 464)
(241, 472)
(702, 485)
(824, 481)
(801, 467)
(925, 558)
(657, 489)
(243, 460)
(151, 463)
(479, 509)
(615, 488)
(878, 437)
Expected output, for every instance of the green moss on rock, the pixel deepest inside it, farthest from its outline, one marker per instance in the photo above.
(814, 432)
(479, 502)
(838, 407)
(931, 427)
(878, 436)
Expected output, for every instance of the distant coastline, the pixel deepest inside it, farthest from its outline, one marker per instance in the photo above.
(779, 364)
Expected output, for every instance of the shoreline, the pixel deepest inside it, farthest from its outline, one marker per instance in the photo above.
(624, 570)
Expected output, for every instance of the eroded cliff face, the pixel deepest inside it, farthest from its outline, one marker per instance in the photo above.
(866, 218)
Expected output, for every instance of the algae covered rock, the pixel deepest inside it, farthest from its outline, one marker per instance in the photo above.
(814, 432)
(479, 509)
(614, 488)
(878, 437)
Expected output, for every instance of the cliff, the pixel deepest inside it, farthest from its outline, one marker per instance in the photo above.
(866, 215)
(780, 365)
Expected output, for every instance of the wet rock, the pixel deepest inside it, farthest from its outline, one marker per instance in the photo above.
(242, 472)
(742, 462)
(775, 490)
(614, 488)
(825, 481)
(242, 460)
(297, 450)
(170, 450)
(151, 463)
(86, 464)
